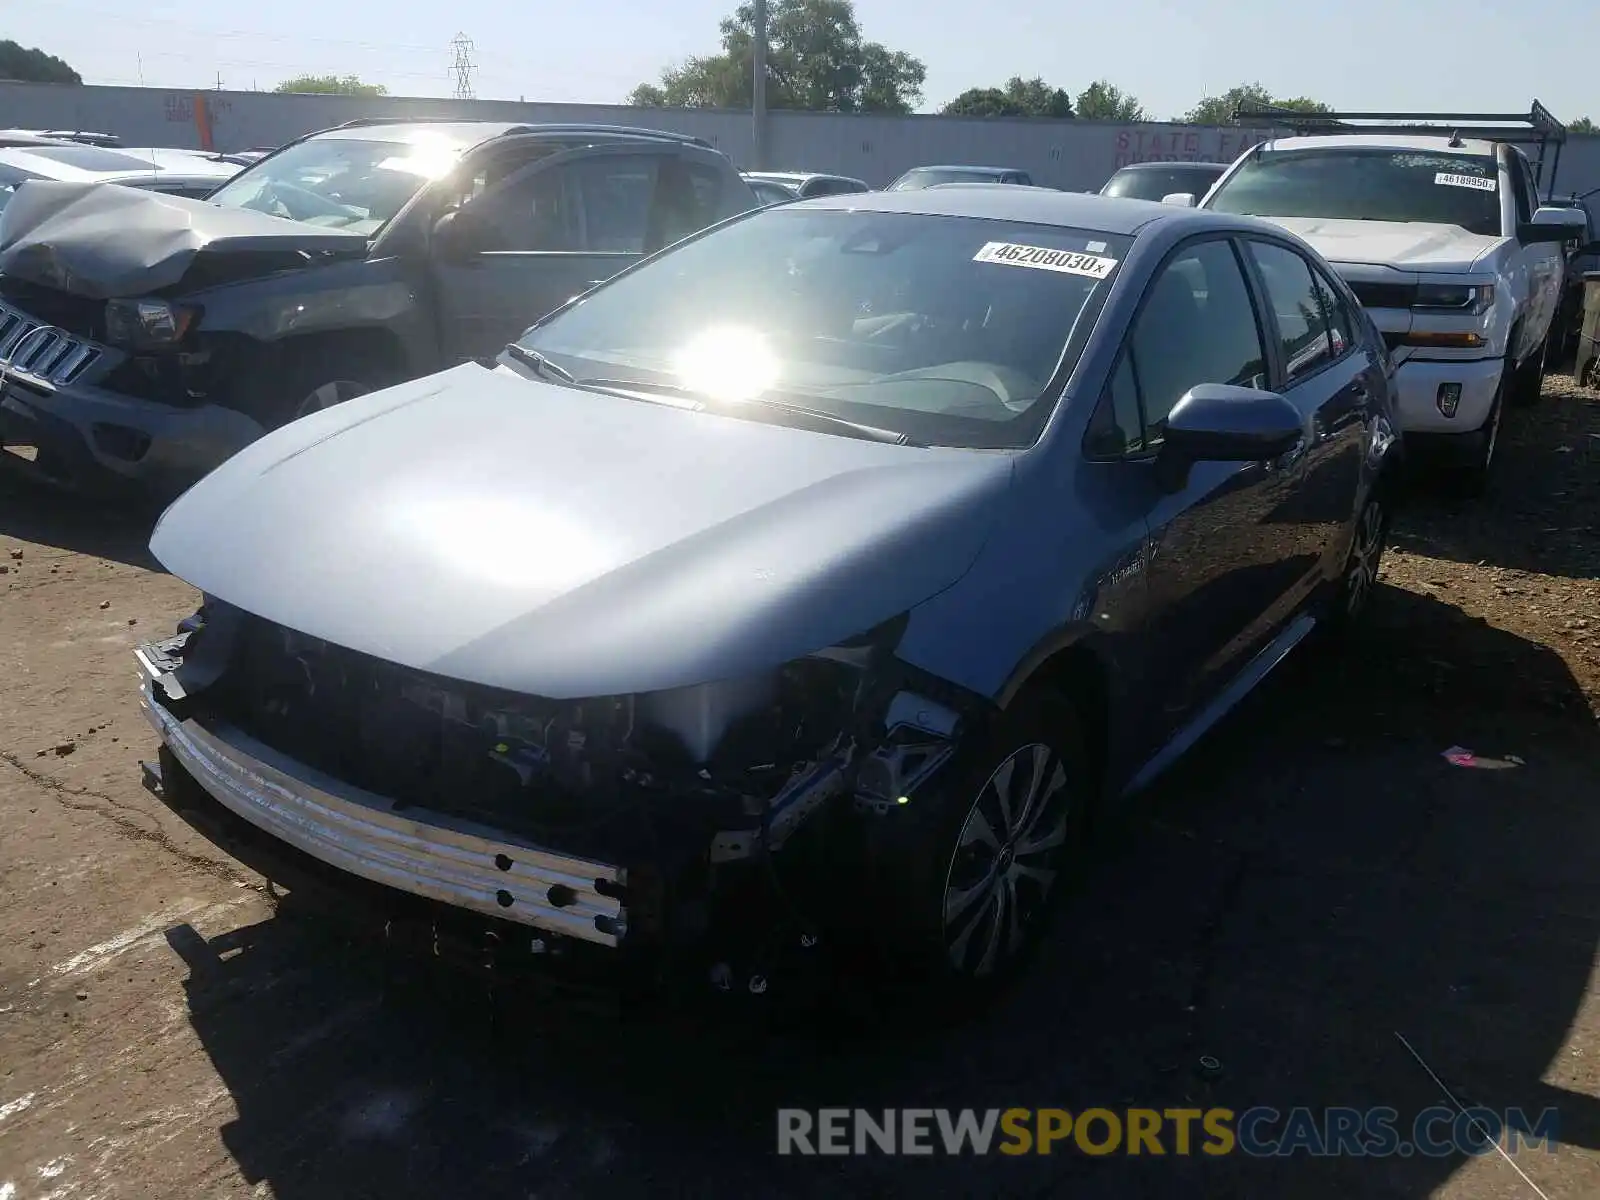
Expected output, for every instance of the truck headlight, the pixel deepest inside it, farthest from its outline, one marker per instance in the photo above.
(1452, 297)
(148, 324)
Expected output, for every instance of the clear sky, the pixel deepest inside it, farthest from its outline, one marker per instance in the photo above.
(1356, 54)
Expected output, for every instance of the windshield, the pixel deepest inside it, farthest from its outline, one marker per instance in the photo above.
(1367, 185)
(344, 183)
(1152, 183)
(11, 178)
(946, 329)
(926, 177)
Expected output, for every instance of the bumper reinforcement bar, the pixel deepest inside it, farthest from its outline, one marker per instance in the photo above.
(424, 853)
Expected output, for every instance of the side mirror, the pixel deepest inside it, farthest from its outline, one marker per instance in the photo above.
(457, 236)
(1179, 199)
(1552, 224)
(1218, 422)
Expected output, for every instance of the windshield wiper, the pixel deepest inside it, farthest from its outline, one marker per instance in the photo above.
(827, 420)
(541, 364)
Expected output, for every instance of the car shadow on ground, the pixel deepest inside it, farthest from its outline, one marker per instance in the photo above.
(119, 532)
(1544, 496)
(1314, 883)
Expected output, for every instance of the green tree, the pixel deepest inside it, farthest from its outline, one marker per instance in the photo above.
(33, 66)
(331, 85)
(1103, 101)
(816, 60)
(1018, 98)
(1219, 110)
(1583, 125)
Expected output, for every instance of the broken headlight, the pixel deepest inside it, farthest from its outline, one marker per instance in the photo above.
(771, 720)
(148, 324)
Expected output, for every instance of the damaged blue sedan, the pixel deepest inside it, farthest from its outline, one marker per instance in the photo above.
(822, 574)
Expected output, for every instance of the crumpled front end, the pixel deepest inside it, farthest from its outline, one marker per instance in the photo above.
(685, 828)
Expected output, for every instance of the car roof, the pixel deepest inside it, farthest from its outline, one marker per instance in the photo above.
(1384, 141)
(963, 167)
(797, 176)
(464, 135)
(1184, 162)
(190, 172)
(461, 135)
(173, 160)
(1039, 206)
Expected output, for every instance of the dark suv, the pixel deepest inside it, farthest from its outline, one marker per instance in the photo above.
(144, 339)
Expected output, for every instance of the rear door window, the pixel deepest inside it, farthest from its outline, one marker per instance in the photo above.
(1300, 317)
(615, 193)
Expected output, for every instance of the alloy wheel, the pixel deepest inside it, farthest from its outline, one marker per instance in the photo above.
(1365, 554)
(1004, 867)
(334, 392)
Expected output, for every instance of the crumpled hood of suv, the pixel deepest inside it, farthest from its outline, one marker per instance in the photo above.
(104, 240)
(563, 543)
(1408, 245)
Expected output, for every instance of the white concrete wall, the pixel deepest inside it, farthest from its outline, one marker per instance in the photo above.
(1069, 154)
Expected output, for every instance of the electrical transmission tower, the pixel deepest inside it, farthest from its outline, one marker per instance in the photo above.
(461, 66)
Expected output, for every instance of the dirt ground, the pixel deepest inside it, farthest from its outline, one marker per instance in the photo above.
(1315, 883)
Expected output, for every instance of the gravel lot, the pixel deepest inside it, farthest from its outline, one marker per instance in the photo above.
(1313, 881)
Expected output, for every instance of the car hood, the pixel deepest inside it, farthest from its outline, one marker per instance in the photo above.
(1408, 245)
(562, 543)
(103, 240)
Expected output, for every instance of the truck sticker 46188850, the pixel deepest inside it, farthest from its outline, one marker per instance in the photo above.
(1043, 258)
(1476, 182)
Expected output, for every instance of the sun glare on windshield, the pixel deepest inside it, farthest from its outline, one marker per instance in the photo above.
(727, 362)
(428, 156)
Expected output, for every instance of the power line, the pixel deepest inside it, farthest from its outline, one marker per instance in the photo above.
(461, 66)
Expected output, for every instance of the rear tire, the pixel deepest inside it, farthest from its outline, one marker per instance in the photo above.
(972, 870)
(1360, 576)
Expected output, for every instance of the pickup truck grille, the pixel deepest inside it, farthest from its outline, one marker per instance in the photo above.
(32, 351)
(1384, 295)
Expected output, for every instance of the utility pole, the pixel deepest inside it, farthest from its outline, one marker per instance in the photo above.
(758, 103)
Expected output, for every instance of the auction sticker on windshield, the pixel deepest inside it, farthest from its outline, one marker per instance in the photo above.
(1476, 182)
(1043, 258)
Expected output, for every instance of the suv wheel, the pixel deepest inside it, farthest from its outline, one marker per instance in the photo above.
(313, 377)
(326, 395)
(977, 866)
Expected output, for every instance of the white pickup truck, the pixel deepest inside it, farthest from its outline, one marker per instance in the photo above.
(1445, 244)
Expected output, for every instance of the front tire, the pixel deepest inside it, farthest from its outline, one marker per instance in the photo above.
(1472, 480)
(310, 378)
(974, 869)
(1527, 381)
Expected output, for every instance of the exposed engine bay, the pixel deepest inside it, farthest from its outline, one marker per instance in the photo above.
(732, 808)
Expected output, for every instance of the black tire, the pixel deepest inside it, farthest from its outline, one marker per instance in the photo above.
(308, 378)
(937, 847)
(1527, 381)
(1472, 480)
(1359, 578)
